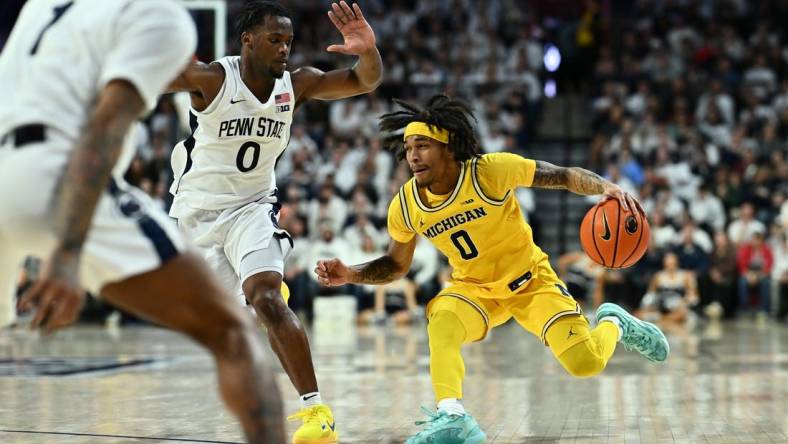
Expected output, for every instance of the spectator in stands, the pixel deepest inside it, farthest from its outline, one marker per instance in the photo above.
(718, 284)
(755, 261)
(670, 295)
(707, 211)
(579, 273)
(662, 233)
(346, 117)
(327, 208)
(378, 163)
(342, 165)
(743, 229)
(689, 253)
(665, 202)
(359, 229)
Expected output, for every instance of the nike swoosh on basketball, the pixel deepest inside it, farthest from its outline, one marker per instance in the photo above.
(236, 101)
(606, 234)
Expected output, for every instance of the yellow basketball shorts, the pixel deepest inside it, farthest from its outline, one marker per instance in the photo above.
(535, 306)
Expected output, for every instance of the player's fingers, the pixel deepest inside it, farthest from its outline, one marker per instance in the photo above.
(623, 200)
(31, 297)
(357, 10)
(66, 313)
(640, 207)
(339, 14)
(607, 197)
(337, 48)
(44, 309)
(335, 20)
(631, 203)
(348, 12)
(57, 316)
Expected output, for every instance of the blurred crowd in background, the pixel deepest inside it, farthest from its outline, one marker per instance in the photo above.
(690, 114)
(687, 101)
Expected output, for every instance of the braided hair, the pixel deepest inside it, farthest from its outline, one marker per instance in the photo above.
(254, 12)
(453, 115)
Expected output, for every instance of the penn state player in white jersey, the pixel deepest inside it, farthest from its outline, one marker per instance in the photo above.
(74, 76)
(225, 189)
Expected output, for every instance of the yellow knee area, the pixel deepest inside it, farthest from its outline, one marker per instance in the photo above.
(582, 361)
(445, 310)
(445, 330)
(580, 351)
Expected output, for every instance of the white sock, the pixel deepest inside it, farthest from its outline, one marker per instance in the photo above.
(614, 320)
(310, 400)
(451, 406)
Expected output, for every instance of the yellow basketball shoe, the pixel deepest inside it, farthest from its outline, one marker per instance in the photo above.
(318, 426)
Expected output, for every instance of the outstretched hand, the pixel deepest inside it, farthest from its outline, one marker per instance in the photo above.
(56, 296)
(627, 201)
(332, 273)
(358, 35)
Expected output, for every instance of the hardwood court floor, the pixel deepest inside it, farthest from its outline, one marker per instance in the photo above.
(722, 384)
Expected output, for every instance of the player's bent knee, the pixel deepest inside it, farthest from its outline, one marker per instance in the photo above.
(233, 339)
(268, 304)
(581, 361)
(445, 329)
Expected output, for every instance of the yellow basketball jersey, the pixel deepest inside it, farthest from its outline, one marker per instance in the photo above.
(479, 226)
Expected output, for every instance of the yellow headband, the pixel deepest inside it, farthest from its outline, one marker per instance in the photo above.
(422, 129)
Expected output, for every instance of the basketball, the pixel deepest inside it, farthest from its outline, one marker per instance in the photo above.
(612, 237)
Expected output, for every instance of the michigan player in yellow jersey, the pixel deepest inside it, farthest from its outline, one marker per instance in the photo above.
(463, 202)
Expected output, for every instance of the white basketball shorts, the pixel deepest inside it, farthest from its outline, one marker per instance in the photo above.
(239, 242)
(129, 235)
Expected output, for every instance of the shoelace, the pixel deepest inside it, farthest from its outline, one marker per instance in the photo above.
(435, 419)
(639, 342)
(310, 415)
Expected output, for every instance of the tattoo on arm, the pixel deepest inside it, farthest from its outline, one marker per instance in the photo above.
(89, 169)
(574, 179)
(81, 185)
(379, 271)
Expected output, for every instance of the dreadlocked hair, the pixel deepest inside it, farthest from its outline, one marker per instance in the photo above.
(254, 12)
(453, 115)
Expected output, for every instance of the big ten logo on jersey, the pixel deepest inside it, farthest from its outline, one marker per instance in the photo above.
(282, 102)
(252, 126)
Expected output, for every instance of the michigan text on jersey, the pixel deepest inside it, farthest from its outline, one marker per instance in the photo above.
(454, 220)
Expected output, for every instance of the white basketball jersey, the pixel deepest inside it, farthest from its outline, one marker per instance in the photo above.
(230, 156)
(62, 53)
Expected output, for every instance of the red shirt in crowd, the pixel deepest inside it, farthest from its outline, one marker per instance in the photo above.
(752, 257)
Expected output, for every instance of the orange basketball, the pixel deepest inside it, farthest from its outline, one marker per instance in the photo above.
(612, 237)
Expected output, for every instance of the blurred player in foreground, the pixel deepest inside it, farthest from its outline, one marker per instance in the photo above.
(74, 76)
